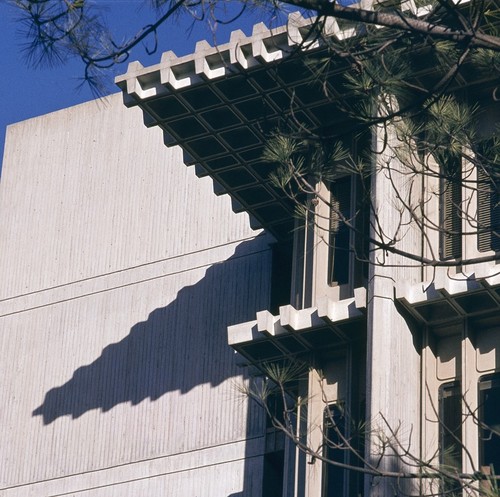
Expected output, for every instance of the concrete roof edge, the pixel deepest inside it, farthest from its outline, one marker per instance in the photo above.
(263, 46)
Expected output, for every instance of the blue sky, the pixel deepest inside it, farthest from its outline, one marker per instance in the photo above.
(30, 92)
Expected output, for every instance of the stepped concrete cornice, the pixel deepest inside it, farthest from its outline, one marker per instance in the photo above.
(264, 45)
(296, 333)
(442, 303)
(221, 104)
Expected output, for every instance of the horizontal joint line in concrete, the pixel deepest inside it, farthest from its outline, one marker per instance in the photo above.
(241, 450)
(87, 287)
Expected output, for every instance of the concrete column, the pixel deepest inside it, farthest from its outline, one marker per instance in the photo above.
(393, 355)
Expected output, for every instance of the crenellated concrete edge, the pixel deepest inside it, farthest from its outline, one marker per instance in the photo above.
(289, 320)
(486, 277)
(242, 52)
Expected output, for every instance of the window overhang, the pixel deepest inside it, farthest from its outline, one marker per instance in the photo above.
(442, 306)
(300, 334)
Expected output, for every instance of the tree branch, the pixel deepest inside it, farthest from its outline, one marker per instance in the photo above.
(400, 22)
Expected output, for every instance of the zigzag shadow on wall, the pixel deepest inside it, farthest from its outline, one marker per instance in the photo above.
(178, 347)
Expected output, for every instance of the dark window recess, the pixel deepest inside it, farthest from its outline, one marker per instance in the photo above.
(272, 481)
(450, 429)
(276, 409)
(450, 219)
(348, 244)
(489, 417)
(343, 439)
(274, 458)
(488, 212)
(362, 236)
(281, 276)
(334, 428)
(339, 238)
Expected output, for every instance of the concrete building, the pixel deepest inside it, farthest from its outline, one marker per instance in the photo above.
(135, 296)
(120, 272)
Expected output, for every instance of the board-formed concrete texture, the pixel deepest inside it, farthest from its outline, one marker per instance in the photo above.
(120, 272)
(384, 340)
(128, 283)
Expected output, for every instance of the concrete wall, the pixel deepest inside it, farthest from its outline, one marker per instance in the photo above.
(393, 350)
(120, 272)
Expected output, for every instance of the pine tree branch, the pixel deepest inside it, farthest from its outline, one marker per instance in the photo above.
(401, 22)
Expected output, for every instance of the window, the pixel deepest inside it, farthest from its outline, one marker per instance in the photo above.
(272, 481)
(343, 443)
(488, 212)
(347, 246)
(274, 457)
(489, 418)
(334, 429)
(450, 199)
(450, 429)
(281, 276)
(340, 234)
